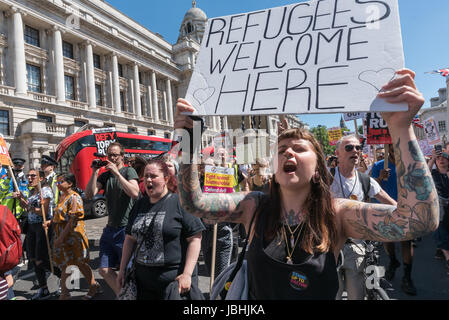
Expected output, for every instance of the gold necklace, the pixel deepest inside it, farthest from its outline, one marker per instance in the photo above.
(292, 233)
(290, 254)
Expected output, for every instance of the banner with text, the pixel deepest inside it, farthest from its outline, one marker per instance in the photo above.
(377, 129)
(327, 56)
(354, 115)
(218, 180)
(103, 138)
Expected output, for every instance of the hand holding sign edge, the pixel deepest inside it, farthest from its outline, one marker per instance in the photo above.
(402, 89)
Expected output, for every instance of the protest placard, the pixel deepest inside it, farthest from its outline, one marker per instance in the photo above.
(433, 137)
(354, 116)
(5, 159)
(103, 138)
(218, 179)
(377, 129)
(334, 135)
(327, 56)
(425, 147)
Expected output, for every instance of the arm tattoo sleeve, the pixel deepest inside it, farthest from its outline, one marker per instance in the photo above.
(213, 206)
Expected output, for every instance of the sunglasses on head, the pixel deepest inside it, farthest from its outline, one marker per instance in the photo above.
(350, 147)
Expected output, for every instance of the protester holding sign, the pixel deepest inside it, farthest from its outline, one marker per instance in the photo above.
(37, 204)
(299, 229)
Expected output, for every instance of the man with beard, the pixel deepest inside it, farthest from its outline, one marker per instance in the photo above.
(121, 189)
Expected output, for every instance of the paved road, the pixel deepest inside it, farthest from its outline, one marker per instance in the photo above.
(430, 275)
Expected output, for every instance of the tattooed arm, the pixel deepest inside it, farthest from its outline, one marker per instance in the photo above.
(416, 212)
(235, 207)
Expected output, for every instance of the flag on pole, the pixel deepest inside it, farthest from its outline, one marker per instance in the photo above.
(417, 122)
(443, 72)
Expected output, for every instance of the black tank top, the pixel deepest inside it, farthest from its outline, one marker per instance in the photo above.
(312, 277)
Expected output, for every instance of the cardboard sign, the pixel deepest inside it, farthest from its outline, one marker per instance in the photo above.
(354, 116)
(334, 135)
(103, 138)
(327, 56)
(5, 159)
(433, 137)
(426, 148)
(377, 129)
(218, 180)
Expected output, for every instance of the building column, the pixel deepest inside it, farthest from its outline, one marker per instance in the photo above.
(154, 96)
(169, 102)
(59, 65)
(225, 122)
(115, 85)
(20, 77)
(137, 104)
(91, 99)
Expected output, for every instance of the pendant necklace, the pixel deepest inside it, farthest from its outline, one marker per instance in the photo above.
(351, 196)
(292, 242)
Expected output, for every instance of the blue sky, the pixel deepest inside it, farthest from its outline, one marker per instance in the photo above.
(425, 31)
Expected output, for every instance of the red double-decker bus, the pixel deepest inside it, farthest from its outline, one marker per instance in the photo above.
(76, 152)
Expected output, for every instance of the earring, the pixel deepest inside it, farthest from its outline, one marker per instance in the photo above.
(316, 178)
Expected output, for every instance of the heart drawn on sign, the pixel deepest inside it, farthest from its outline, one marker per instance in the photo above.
(377, 79)
(203, 94)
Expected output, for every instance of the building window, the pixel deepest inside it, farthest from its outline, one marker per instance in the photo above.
(80, 123)
(31, 36)
(4, 122)
(167, 135)
(140, 77)
(108, 125)
(48, 119)
(122, 101)
(132, 130)
(67, 50)
(441, 126)
(98, 95)
(34, 78)
(69, 87)
(151, 132)
(97, 63)
(120, 70)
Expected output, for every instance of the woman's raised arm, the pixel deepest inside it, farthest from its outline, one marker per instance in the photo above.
(234, 207)
(417, 205)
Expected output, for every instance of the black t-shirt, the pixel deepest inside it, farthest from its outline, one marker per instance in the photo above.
(161, 230)
(118, 202)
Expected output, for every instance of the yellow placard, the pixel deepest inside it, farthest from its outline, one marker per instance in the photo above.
(334, 135)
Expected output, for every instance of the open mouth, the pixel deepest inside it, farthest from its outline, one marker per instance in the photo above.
(289, 167)
(150, 188)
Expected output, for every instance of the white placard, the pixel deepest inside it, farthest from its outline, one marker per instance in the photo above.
(328, 56)
(354, 116)
(433, 137)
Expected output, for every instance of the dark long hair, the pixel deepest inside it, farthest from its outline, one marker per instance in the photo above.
(320, 230)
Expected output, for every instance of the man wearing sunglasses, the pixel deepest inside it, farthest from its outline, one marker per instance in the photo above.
(349, 183)
(121, 189)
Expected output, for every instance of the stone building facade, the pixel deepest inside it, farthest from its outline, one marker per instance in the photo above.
(70, 65)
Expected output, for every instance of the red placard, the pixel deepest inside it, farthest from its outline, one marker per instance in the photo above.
(377, 129)
(5, 159)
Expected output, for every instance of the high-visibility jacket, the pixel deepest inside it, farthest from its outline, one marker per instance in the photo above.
(52, 183)
(7, 189)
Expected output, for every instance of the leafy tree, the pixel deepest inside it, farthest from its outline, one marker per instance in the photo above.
(320, 133)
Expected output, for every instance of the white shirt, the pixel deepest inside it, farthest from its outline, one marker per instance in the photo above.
(352, 186)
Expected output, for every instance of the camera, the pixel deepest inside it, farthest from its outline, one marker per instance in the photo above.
(98, 163)
(438, 148)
